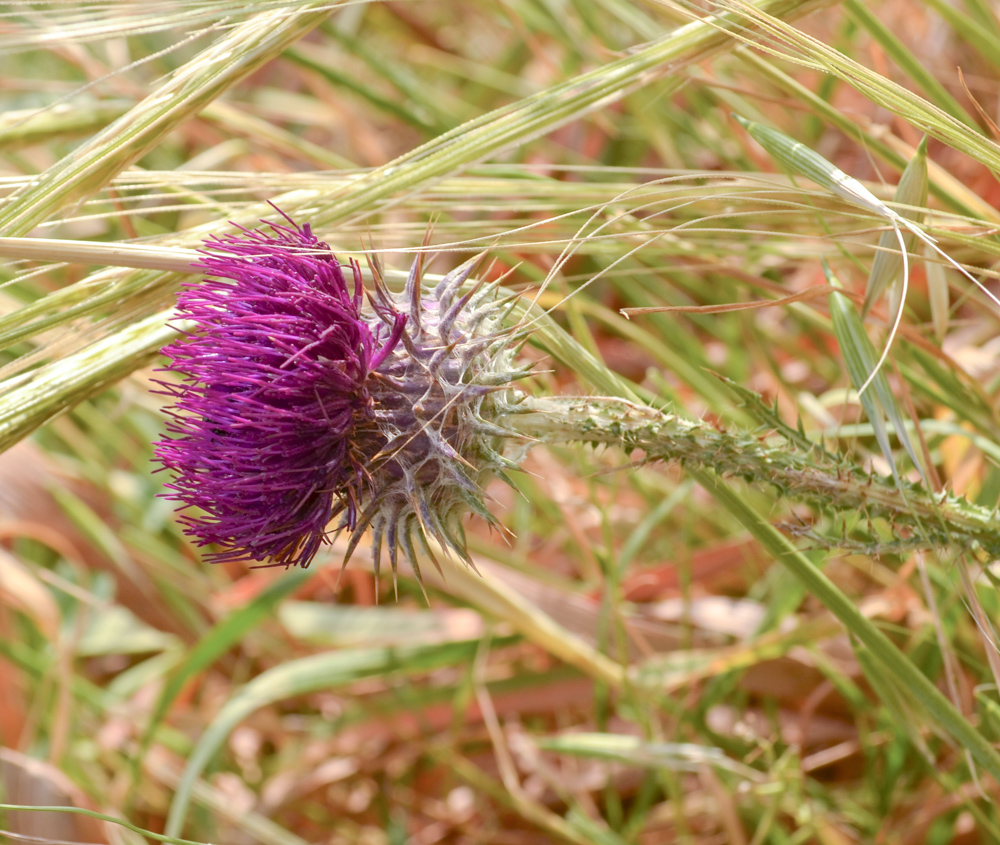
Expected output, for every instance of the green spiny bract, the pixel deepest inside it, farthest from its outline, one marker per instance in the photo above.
(438, 398)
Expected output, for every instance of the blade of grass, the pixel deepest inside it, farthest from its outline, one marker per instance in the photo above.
(305, 675)
(79, 811)
(911, 191)
(633, 751)
(938, 294)
(861, 361)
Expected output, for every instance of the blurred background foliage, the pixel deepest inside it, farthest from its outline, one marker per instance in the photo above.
(639, 667)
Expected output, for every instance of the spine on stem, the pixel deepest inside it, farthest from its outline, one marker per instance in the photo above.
(814, 477)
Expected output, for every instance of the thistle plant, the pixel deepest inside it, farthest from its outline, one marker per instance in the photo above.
(304, 408)
(299, 403)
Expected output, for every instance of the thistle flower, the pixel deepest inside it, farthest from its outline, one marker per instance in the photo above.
(300, 404)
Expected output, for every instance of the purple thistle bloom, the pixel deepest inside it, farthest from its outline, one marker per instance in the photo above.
(274, 418)
(296, 406)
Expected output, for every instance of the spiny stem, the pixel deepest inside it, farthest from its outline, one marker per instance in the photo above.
(814, 477)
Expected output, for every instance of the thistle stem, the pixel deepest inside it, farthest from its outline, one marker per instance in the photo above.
(813, 477)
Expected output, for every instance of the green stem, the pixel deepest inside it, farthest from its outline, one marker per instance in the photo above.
(814, 477)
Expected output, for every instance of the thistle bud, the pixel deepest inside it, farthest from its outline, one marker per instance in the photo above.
(303, 410)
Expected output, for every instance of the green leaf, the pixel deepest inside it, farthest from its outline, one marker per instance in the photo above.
(116, 630)
(861, 360)
(911, 191)
(676, 756)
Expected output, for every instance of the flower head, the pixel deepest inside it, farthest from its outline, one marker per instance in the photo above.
(300, 403)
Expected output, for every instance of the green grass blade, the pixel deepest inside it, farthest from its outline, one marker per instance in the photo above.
(678, 756)
(861, 361)
(911, 191)
(938, 295)
(799, 159)
(300, 677)
(79, 811)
